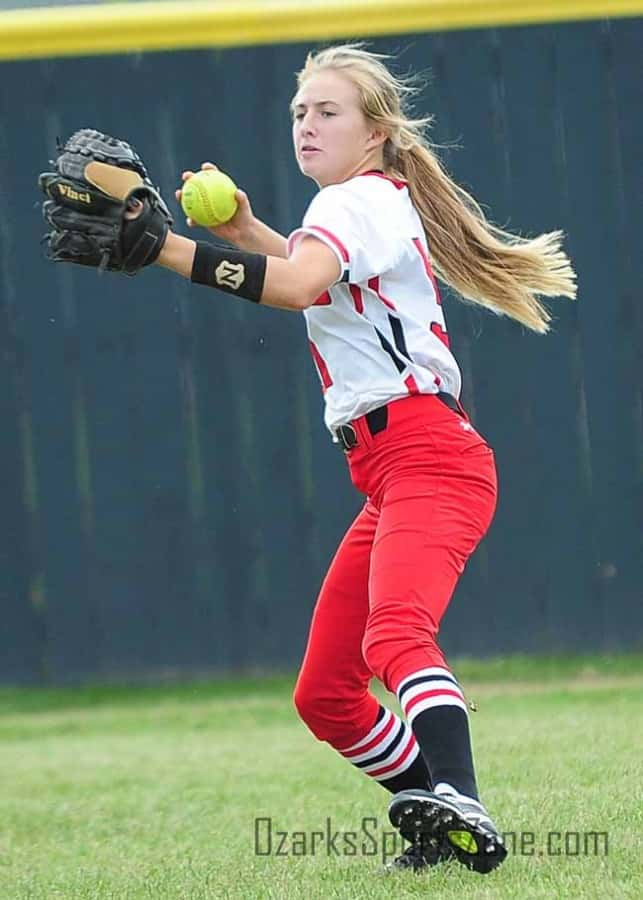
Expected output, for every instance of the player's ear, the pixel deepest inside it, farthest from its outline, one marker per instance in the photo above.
(376, 138)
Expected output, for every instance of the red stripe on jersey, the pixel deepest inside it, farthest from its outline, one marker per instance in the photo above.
(374, 285)
(411, 385)
(428, 268)
(356, 294)
(440, 334)
(322, 368)
(323, 300)
(335, 240)
(398, 762)
(396, 181)
(372, 743)
(426, 694)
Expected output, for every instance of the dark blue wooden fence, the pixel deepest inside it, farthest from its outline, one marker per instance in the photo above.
(170, 498)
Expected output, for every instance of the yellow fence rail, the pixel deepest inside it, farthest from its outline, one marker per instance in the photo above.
(147, 26)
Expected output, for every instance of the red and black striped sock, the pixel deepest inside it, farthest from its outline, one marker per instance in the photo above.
(389, 754)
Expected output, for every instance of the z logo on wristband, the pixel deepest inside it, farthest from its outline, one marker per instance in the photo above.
(230, 275)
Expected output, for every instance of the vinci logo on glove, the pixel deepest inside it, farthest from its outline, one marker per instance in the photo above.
(66, 190)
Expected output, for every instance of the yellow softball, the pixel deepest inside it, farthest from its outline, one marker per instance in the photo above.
(208, 198)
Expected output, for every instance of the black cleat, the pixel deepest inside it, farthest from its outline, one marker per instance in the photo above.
(453, 822)
(423, 853)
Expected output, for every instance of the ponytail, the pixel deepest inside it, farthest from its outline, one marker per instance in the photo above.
(486, 265)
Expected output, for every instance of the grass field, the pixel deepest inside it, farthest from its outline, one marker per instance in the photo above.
(152, 792)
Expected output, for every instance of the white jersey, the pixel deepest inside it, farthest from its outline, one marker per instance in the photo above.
(379, 332)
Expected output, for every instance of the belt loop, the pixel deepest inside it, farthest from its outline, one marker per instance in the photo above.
(453, 403)
(377, 419)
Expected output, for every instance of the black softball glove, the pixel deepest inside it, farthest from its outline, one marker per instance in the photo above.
(97, 179)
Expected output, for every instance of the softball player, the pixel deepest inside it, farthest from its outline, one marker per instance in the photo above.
(360, 269)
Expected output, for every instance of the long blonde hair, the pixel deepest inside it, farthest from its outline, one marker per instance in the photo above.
(485, 264)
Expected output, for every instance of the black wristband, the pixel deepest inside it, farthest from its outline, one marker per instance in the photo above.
(230, 270)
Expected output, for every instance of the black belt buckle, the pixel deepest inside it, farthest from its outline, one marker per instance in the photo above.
(347, 437)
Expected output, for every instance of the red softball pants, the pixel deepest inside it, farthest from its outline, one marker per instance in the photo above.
(430, 482)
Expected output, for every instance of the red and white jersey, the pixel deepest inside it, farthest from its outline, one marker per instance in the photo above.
(379, 332)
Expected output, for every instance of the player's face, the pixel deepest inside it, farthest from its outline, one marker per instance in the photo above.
(333, 139)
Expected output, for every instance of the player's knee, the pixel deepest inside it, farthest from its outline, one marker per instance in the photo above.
(302, 699)
(310, 707)
(329, 716)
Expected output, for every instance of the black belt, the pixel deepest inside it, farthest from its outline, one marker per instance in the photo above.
(377, 420)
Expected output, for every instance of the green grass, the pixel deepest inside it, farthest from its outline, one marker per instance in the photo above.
(151, 792)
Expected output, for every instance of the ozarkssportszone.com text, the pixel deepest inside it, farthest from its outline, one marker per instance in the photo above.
(372, 840)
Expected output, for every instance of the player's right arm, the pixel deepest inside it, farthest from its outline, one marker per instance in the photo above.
(293, 283)
(244, 229)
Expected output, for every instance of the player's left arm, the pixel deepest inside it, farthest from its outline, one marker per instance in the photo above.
(294, 283)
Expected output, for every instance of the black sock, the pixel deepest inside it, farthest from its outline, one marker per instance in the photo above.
(443, 735)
